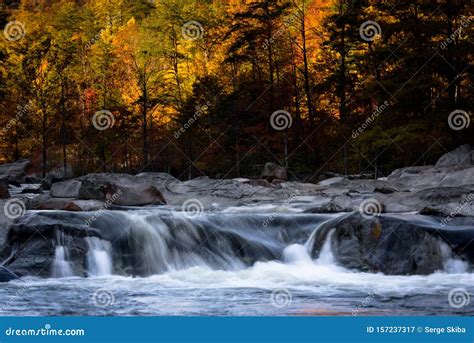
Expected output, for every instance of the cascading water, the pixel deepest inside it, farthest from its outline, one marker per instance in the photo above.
(326, 256)
(225, 264)
(149, 243)
(62, 267)
(452, 264)
(99, 258)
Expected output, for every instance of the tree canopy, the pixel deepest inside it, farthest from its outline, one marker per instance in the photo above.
(219, 87)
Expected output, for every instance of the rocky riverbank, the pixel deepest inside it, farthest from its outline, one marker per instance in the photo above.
(376, 235)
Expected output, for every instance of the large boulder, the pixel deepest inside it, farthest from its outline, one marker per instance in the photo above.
(15, 172)
(58, 204)
(4, 193)
(461, 156)
(32, 239)
(424, 177)
(117, 189)
(453, 169)
(393, 245)
(443, 201)
(66, 189)
(274, 171)
(7, 275)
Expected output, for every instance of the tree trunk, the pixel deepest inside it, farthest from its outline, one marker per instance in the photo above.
(63, 126)
(43, 141)
(145, 125)
(307, 87)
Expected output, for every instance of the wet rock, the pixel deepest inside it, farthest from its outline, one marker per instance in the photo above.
(59, 204)
(119, 189)
(331, 181)
(389, 244)
(454, 169)
(31, 241)
(66, 189)
(461, 156)
(443, 200)
(6, 275)
(15, 172)
(259, 182)
(385, 190)
(274, 171)
(4, 193)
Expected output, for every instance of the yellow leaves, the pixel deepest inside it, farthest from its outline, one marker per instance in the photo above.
(43, 66)
(75, 37)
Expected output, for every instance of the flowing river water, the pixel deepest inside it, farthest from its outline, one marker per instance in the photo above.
(223, 263)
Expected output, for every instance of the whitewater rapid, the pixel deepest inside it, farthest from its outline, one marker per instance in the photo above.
(308, 287)
(223, 264)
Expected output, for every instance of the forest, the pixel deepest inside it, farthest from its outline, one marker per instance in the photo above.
(220, 87)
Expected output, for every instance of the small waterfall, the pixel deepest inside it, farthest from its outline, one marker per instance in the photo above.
(99, 257)
(326, 256)
(296, 253)
(148, 242)
(451, 263)
(61, 266)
